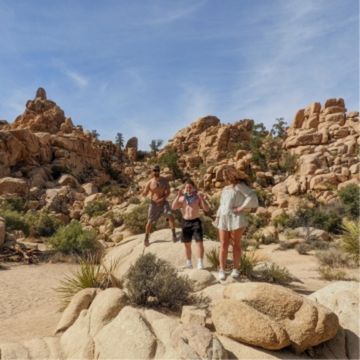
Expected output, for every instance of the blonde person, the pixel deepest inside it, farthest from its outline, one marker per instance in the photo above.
(189, 201)
(231, 218)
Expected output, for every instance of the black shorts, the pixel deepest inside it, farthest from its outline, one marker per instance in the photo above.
(192, 229)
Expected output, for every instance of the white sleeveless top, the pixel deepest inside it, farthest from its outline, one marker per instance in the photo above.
(231, 197)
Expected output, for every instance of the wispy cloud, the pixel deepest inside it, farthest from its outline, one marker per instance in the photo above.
(166, 12)
(79, 80)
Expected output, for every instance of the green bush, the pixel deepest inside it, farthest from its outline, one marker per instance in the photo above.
(15, 220)
(247, 263)
(113, 190)
(72, 238)
(136, 219)
(40, 223)
(13, 203)
(96, 208)
(153, 282)
(170, 159)
(265, 198)
(288, 162)
(134, 200)
(350, 197)
(325, 218)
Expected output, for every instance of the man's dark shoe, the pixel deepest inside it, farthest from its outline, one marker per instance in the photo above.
(146, 240)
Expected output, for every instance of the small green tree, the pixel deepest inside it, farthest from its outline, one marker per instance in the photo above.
(279, 128)
(95, 134)
(119, 140)
(155, 146)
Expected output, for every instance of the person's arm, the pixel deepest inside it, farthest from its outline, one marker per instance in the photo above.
(146, 189)
(247, 192)
(178, 201)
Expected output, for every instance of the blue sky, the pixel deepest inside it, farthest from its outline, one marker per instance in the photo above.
(150, 68)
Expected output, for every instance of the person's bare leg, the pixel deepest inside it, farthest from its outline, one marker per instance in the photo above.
(188, 250)
(172, 227)
(200, 249)
(147, 233)
(236, 244)
(224, 246)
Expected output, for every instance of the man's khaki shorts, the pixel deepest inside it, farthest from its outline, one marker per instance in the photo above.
(156, 210)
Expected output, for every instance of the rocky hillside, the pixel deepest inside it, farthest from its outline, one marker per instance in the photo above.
(43, 143)
(317, 153)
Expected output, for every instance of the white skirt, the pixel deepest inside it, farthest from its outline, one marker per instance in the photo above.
(230, 222)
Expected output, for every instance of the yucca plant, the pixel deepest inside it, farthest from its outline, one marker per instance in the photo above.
(91, 274)
(274, 273)
(213, 258)
(247, 262)
(351, 238)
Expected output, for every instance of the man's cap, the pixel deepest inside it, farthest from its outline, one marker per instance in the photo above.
(156, 168)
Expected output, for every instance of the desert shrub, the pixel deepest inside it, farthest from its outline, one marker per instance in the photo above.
(134, 200)
(255, 222)
(327, 219)
(328, 273)
(13, 203)
(213, 257)
(350, 238)
(153, 282)
(214, 203)
(72, 238)
(116, 218)
(113, 173)
(57, 171)
(136, 219)
(281, 221)
(288, 162)
(15, 220)
(96, 207)
(170, 159)
(265, 198)
(350, 197)
(334, 258)
(303, 248)
(113, 190)
(90, 275)
(209, 229)
(86, 174)
(247, 262)
(274, 273)
(40, 223)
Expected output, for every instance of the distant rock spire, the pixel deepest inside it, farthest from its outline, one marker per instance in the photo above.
(41, 93)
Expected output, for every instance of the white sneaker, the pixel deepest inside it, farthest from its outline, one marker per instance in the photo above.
(235, 273)
(188, 265)
(200, 265)
(222, 275)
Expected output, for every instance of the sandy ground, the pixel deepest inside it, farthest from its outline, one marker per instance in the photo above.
(28, 302)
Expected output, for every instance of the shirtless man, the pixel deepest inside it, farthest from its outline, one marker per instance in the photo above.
(159, 189)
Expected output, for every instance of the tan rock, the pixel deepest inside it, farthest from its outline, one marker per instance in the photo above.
(193, 315)
(200, 278)
(9, 185)
(299, 119)
(126, 337)
(79, 302)
(68, 180)
(323, 182)
(239, 321)
(342, 297)
(298, 321)
(197, 342)
(89, 188)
